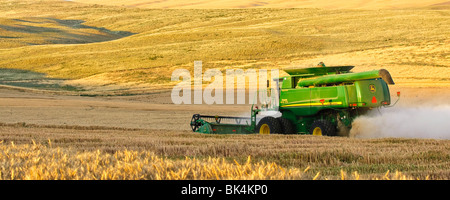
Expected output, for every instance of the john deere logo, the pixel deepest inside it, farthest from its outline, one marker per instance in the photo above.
(372, 88)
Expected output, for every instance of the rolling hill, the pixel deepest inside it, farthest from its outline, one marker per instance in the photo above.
(225, 4)
(101, 47)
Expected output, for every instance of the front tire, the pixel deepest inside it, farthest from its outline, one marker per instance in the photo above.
(268, 125)
(322, 127)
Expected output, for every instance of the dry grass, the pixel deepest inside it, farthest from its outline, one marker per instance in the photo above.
(27, 31)
(173, 152)
(412, 44)
(43, 162)
(85, 44)
(337, 4)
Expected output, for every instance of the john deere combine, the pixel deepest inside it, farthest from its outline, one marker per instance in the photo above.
(318, 101)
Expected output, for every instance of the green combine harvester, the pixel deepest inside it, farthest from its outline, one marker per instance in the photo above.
(318, 101)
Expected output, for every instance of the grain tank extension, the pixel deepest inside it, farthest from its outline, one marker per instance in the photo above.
(317, 100)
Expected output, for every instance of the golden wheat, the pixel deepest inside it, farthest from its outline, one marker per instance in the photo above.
(339, 4)
(411, 44)
(369, 157)
(42, 162)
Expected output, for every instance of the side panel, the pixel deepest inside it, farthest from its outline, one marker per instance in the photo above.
(351, 94)
(327, 98)
(286, 83)
(372, 93)
(309, 101)
(296, 100)
(386, 93)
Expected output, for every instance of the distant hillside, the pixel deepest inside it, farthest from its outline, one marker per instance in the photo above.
(337, 4)
(97, 46)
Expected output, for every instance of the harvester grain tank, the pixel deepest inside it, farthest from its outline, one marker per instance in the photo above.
(317, 100)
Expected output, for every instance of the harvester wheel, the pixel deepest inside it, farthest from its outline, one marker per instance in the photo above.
(268, 125)
(287, 127)
(322, 127)
(194, 123)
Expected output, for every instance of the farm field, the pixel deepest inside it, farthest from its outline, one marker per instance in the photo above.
(85, 88)
(137, 126)
(349, 4)
(72, 152)
(75, 42)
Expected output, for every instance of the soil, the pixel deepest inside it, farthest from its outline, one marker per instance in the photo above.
(149, 111)
(152, 111)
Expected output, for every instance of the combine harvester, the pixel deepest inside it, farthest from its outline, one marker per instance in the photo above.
(317, 101)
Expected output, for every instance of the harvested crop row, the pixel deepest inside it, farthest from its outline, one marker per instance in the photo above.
(44, 162)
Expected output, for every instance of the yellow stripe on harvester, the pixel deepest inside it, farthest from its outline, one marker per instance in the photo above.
(313, 104)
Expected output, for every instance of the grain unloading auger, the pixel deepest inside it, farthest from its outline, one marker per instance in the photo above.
(318, 101)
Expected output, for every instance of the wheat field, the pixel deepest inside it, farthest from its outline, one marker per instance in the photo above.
(119, 49)
(42, 162)
(77, 152)
(76, 42)
(337, 4)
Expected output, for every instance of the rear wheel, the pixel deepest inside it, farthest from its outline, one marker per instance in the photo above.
(322, 127)
(268, 125)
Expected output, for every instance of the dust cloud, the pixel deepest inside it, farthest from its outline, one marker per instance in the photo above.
(404, 122)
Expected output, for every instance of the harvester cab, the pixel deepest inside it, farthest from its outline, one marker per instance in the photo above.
(317, 100)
